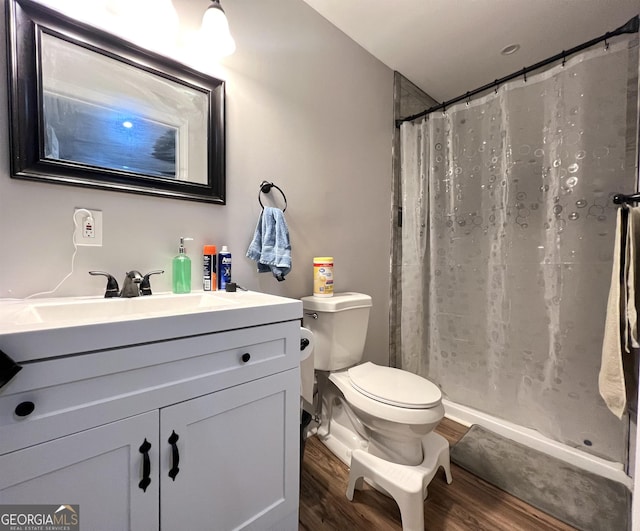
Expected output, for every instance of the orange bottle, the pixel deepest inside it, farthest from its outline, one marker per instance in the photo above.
(209, 261)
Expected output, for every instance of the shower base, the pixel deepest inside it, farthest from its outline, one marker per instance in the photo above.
(467, 416)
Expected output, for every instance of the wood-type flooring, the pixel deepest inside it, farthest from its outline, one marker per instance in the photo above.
(469, 503)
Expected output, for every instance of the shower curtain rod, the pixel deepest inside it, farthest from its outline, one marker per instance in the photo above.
(631, 26)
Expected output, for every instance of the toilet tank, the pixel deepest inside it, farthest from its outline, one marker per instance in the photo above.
(340, 329)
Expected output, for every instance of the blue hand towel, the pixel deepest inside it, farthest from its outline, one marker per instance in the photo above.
(270, 246)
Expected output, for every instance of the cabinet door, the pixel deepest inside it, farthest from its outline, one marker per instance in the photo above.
(98, 469)
(238, 457)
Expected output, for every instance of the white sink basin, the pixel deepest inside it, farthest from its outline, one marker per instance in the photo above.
(100, 310)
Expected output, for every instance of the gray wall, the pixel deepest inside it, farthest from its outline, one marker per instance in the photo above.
(307, 108)
(408, 100)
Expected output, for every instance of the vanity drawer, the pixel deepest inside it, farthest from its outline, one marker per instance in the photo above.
(79, 392)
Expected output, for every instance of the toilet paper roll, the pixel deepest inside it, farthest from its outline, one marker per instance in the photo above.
(306, 366)
(307, 334)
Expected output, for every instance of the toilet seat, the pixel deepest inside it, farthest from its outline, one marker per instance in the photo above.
(376, 408)
(394, 386)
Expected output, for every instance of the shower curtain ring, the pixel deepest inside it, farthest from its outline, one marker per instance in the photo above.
(496, 84)
(606, 41)
(468, 99)
(524, 74)
(564, 57)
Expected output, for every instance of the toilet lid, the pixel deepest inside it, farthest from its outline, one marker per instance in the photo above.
(394, 386)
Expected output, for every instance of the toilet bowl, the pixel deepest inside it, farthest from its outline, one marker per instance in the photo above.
(397, 409)
(383, 410)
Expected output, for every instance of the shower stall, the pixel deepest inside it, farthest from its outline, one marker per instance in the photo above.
(505, 247)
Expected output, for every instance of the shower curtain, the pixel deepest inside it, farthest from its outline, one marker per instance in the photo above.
(507, 241)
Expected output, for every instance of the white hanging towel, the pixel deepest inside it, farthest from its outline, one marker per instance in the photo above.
(621, 325)
(633, 263)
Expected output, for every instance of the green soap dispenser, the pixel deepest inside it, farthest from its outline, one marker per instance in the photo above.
(181, 266)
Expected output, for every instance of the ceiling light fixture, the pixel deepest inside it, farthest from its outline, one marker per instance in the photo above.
(509, 50)
(215, 30)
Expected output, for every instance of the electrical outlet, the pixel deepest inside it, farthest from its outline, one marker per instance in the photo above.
(88, 228)
(87, 233)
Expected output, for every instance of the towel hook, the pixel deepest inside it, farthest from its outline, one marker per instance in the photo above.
(265, 187)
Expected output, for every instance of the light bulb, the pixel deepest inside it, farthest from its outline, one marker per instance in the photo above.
(215, 33)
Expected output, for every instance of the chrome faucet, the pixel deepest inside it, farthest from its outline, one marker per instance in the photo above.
(131, 285)
(135, 284)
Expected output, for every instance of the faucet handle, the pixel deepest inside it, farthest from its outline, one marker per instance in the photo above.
(112, 284)
(145, 285)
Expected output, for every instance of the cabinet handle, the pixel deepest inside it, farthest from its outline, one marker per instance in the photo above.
(146, 465)
(176, 456)
(24, 409)
(246, 357)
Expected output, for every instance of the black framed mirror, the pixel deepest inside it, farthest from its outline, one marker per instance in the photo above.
(90, 109)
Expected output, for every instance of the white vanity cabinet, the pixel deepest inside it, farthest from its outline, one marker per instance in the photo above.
(212, 420)
(236, 466)
(99, 469)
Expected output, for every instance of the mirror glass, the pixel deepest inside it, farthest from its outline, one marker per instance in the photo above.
(90, 109)
(101, 112)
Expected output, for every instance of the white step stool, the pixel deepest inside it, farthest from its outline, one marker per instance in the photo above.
(407, 485)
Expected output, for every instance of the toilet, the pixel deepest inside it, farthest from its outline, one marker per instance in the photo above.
(384, 411)
(378, 420)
